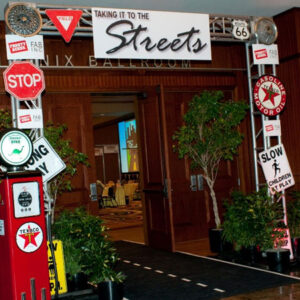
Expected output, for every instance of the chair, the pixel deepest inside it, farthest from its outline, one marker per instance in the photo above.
(110, 198)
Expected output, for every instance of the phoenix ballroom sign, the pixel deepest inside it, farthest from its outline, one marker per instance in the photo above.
(133, 34)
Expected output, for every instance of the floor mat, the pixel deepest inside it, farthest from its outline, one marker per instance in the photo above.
(154, 274)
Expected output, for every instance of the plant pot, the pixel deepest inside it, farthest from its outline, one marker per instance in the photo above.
(110, 290)
(216, 241)
(77, 282)
(250, 254)
(278, 259)
(296, 247)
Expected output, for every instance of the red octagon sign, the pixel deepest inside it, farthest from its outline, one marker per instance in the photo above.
(24, 80)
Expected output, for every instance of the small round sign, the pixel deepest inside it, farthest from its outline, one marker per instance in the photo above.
(269, 95)
(15, 148)
(29, 237)
(25, 199)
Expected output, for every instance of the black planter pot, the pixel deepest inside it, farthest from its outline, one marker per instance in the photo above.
(77, 282)
(296, 247)
(110, 290)
(278, 259)
(250, 254)
(216, 242)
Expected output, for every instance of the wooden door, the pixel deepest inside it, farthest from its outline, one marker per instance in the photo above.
(191, 206)
(154, 171)
(74, 110)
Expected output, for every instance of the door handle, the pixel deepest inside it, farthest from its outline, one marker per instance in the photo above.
(193, 185)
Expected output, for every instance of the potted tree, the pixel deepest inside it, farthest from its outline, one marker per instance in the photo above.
(253, 221)
(86, 243)
(210, 134)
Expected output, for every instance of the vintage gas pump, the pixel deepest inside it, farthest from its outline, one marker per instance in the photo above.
(23, 241)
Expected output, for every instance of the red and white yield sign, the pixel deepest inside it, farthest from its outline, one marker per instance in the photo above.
(24, 80)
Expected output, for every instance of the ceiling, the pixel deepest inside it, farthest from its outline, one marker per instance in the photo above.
(108, 107)
(266, 8)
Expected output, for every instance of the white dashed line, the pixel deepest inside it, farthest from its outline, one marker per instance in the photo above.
(127, 261)
(219, 290)
(159, 271)
(172, 275)
(201, 284)
(186, 279)
(147, 268)
(136, 264)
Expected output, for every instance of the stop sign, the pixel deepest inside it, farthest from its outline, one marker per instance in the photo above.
(24, 80)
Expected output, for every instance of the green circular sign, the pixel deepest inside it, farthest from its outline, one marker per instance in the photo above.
(15, 148)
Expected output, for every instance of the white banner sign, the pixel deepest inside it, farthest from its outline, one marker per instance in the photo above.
(45, 159)
(19, 47)
(265, 54)
(30, 118)
(142, 34)
(272, 128)
(276, 168)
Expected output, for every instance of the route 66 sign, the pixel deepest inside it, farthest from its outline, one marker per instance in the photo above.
(240, 30)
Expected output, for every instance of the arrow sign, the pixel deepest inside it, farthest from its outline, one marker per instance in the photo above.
(65, 21)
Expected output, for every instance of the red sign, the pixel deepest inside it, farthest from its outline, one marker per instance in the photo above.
(269, 95)
(65, 21)
(16, 47)
(261, 53)
(24, 80)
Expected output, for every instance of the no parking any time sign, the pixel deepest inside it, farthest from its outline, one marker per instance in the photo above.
(276, 168)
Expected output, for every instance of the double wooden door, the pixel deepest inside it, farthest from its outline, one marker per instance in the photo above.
(175, 208)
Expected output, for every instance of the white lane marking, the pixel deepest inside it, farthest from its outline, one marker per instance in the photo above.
(126, 261)
(147, 268)
(159, 271)
(219, 290)
(172, 275)
(186, 279)
(201, 284)
(239, 265)
(136, 264)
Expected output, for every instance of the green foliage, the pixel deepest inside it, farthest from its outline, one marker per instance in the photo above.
(71, 157)
(5, 119)
(293, 214)
(210, 129)
(253, 220)
(210, 134)
(86, 246)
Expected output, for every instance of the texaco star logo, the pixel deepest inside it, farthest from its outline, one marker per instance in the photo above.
(29, 237)
(269, 95)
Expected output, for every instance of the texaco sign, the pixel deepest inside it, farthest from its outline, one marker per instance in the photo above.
(269, 95)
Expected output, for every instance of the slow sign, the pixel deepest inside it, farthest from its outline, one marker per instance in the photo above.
(276, 168)
(24, 80)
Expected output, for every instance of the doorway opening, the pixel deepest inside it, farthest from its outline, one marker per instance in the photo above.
(117, 164)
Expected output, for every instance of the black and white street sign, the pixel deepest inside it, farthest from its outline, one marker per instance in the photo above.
(276, 168)
(240, 30)
(45, 159)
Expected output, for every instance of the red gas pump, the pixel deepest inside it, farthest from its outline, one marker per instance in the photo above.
(23, 240)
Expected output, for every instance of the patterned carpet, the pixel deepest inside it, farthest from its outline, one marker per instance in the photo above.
(122, 216)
